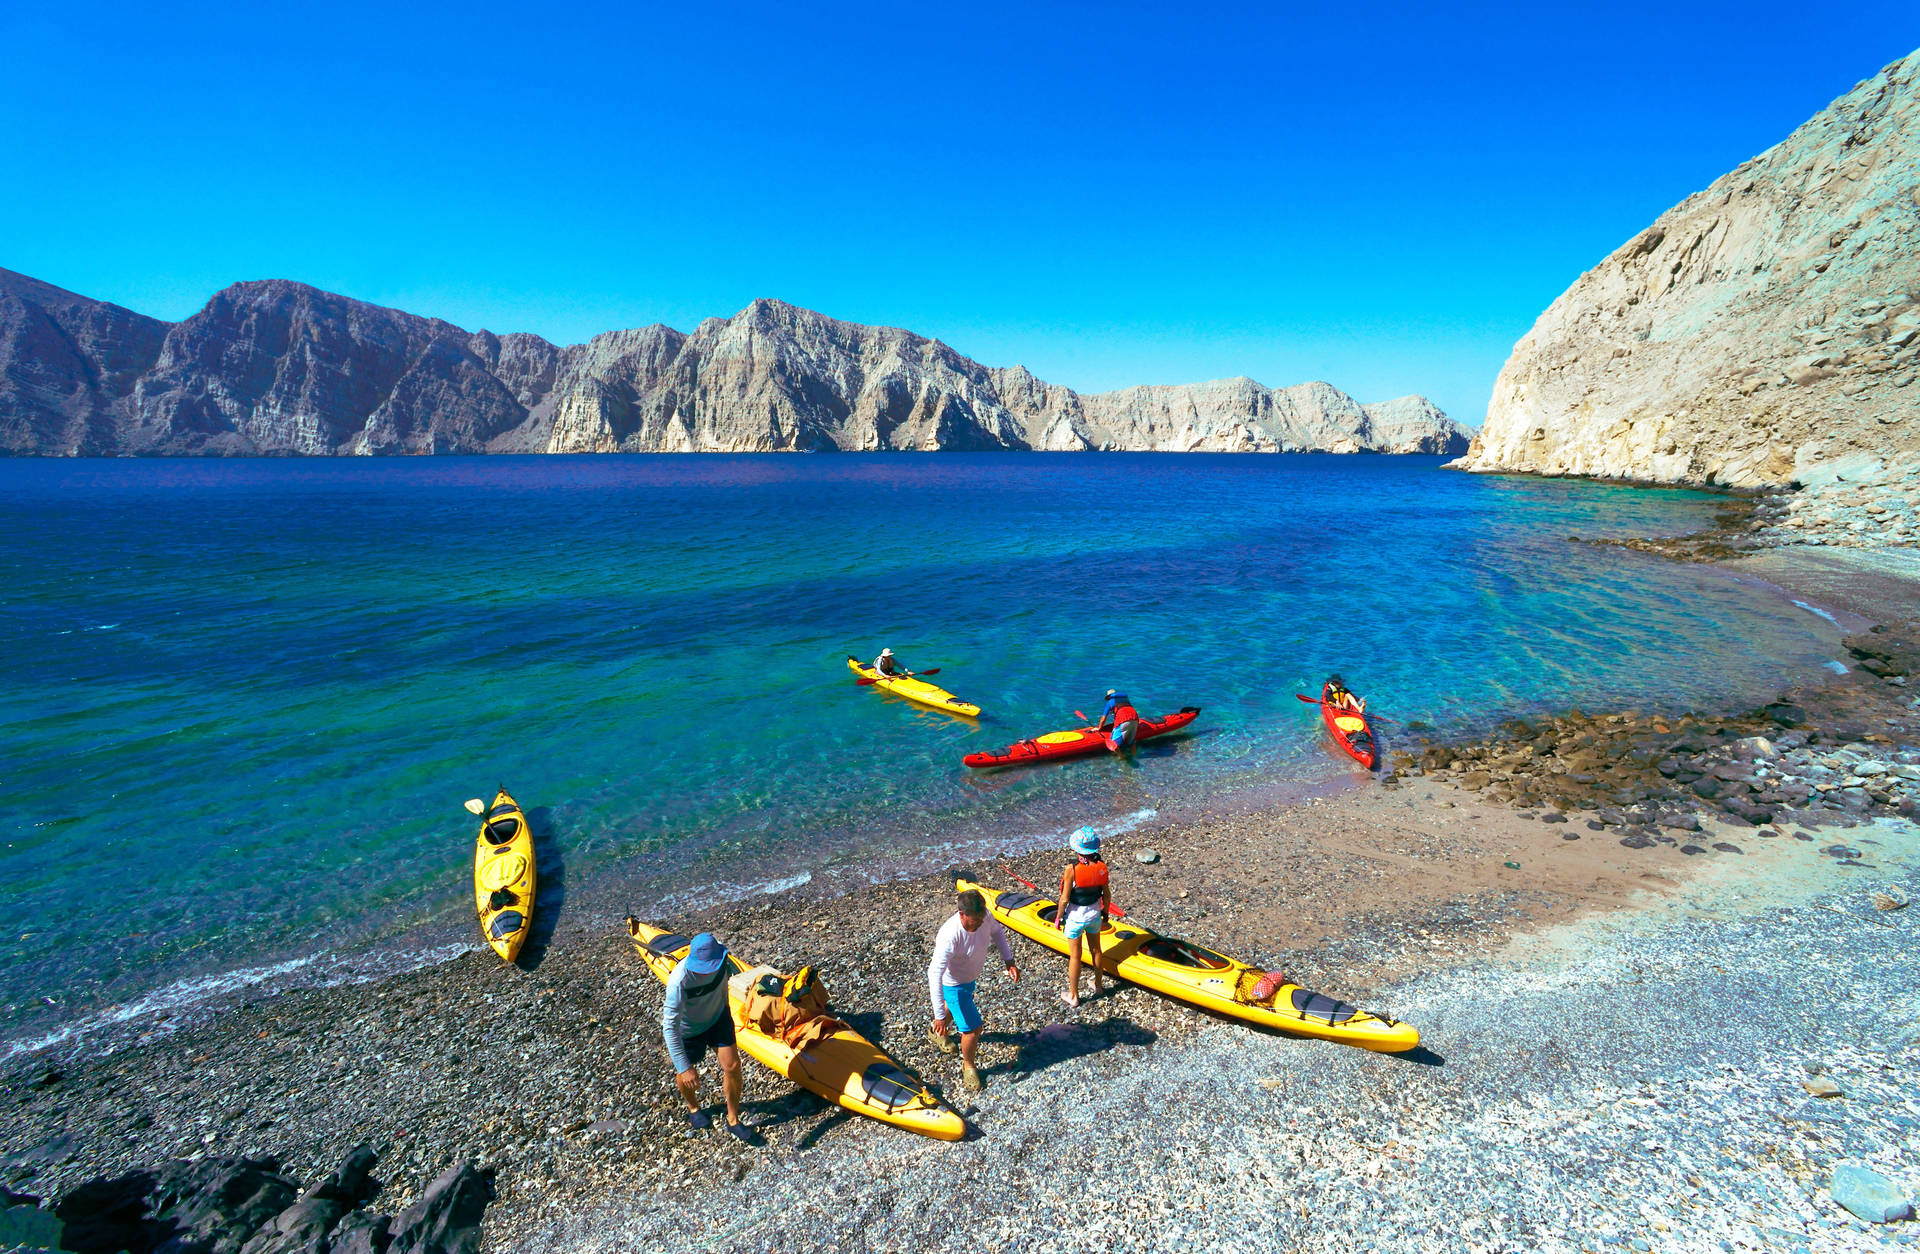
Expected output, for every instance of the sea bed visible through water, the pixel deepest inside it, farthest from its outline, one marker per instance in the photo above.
(250, 696)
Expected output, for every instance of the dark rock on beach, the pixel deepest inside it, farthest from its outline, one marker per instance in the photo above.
(246, 1206)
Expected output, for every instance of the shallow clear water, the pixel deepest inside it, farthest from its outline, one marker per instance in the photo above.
(248, 697)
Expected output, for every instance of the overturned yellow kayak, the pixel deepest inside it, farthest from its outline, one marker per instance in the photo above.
(915, 690)
(1211, 981)
(504, 876)
(845, 1068)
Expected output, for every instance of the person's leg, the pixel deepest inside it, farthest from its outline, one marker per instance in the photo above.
(1072, 995)
(729, 1059)
(966, 1017)
(1093, 947)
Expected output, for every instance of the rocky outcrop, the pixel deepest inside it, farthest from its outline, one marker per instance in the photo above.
(245, 1206)
(281, 368)
(1762, 332)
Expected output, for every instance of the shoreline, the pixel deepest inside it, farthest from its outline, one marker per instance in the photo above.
(556, 1078)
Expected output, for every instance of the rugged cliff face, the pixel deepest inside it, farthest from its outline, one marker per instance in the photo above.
(1763, 331)
(279, 367)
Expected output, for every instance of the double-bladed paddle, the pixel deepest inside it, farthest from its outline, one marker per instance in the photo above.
(874, 679)
(1118, 913)
(1384, 718)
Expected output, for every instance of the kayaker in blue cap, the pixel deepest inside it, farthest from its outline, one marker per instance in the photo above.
(1084, 901)
(1121, 717)
(699, 1017)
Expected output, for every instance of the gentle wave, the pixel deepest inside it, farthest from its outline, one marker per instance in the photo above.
(178, 1000)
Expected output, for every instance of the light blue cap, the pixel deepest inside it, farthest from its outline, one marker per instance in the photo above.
(1086, 842)
(705, 955)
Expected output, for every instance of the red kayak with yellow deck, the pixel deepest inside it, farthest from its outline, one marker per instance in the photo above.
(1349, 727)
(1077, 742)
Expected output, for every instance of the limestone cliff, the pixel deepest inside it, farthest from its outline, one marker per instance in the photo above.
(1761, 332)
(278, 367)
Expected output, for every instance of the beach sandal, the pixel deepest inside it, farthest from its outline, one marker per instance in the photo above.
(971, 1078)
(939, 1040)
(700, 1120)
(744, 1133)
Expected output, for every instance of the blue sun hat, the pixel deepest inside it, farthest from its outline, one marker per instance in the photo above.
(705, 955)
(1085, 842)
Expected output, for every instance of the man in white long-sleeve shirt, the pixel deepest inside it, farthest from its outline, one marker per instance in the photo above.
(959, 955)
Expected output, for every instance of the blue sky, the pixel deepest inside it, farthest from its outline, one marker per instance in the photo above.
(1384, 198)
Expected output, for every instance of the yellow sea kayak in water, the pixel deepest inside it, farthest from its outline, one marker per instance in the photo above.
(1211, 981)
(915, 690)
(503, 876)
(844, 1068)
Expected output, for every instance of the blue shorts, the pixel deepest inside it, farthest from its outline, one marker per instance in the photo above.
(1080, 922)
(1123, 735)
(966, 1015)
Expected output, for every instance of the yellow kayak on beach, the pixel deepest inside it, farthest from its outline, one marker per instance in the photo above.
(503, 876)
(1186, 971)
(916, 690)
(844, 1068)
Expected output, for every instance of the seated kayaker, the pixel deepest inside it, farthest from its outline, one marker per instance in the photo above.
(1084, 902)
(1340, 698)
(1121, 717)
(888, 665)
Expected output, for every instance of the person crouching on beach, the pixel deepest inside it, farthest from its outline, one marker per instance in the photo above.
(1084, 902)
(959, 955)
(698, 1017)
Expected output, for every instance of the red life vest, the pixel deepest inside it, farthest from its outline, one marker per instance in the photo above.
(1089, 883)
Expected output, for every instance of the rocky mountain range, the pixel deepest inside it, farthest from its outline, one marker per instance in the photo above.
(1765, 331)
(281, 368)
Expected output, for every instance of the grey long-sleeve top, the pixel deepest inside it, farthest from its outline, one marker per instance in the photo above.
(694, 1004)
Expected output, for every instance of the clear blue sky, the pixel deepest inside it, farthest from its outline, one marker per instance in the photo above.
(1109, 194)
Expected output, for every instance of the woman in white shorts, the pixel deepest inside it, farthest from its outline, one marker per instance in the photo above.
(1084, 901)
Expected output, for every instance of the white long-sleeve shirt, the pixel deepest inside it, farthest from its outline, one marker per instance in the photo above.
(959, 955)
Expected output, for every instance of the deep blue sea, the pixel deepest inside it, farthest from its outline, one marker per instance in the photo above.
(247, 698)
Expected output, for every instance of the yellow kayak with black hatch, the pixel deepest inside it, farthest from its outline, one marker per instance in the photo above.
(916, 690)
(844, 1068)
(1199, 976)
(504, 876)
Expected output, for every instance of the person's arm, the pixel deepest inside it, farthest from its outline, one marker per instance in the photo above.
(1060, 901)
(670, 1029)
(1106, 899)
(942, 951)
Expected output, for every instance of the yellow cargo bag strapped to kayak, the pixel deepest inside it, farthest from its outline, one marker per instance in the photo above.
(791, 1009)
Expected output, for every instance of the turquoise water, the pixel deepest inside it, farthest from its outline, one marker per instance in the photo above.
(249, 697)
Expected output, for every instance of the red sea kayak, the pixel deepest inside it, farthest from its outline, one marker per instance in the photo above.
(1077, 742)
(1350, 728)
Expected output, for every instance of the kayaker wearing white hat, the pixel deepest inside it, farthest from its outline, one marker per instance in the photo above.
(888, 665)
(1084, 902)
(698, 1016)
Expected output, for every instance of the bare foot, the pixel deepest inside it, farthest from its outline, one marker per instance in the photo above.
(1073, 1002)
